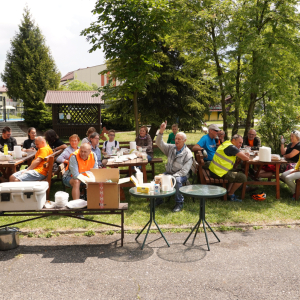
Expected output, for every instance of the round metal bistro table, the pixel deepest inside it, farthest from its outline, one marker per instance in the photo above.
(152, 198)
(202, 191)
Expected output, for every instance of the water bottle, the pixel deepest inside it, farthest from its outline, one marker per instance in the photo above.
(5, 149)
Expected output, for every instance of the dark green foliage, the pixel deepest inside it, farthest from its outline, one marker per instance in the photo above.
(30, 71)
(117, 121)
(179, 95)
(128, 32)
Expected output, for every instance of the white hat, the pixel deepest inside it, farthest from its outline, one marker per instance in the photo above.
(214, 127)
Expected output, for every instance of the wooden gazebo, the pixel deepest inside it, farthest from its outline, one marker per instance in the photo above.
(74, 112)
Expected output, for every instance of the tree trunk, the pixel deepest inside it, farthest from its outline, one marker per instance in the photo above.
(136, 116)
(250, 113)
(153, 131)
(220, 81)
(235, 128)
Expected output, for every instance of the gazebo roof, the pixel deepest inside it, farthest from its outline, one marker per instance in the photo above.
(72, 97)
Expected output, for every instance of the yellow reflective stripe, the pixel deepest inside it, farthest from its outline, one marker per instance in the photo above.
(225, 158)
(220, 166)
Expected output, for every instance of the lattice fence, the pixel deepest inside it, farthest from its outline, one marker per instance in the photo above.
(78, 114)
(75, 118)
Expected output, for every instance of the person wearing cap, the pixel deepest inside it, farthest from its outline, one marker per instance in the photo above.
(224, 161)
(208, 143)
(252, 140)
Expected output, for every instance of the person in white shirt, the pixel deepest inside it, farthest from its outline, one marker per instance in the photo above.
(108, 145)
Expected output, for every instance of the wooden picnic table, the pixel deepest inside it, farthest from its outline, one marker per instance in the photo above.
(129, 163)
(14, 164)
(260, 164)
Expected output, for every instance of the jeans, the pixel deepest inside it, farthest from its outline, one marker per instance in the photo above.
(179, 181)
(289, 179)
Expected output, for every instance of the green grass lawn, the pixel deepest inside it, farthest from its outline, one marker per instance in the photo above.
(192, 137)
(218, 212)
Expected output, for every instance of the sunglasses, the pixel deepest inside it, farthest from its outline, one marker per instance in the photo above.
(215, 130)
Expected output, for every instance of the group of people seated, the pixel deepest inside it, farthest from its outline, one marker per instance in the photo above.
(77, 160)
(221, 156)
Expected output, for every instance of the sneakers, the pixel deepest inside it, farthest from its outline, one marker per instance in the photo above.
(178, 207)
(234, 198)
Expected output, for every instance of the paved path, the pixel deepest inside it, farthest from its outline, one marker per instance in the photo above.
(262, 264)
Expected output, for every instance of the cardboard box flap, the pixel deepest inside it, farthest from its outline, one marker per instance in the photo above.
(102, 175)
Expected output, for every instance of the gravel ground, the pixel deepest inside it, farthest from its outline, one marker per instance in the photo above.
(261, 264)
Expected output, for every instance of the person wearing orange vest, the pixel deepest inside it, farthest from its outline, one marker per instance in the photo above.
(80, 161)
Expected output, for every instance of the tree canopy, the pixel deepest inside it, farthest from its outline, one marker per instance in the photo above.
(129, 32)
(30, 71)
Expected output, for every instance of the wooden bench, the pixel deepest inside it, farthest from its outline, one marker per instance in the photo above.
(204, 175)
(48, 163)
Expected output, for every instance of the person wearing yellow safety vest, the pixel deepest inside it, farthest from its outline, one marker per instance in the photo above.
(80, 161)
(224, 161)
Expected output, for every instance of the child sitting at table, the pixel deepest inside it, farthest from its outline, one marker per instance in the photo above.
(108, 145)
(171, 138)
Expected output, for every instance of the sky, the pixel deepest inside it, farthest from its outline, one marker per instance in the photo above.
(61, 22)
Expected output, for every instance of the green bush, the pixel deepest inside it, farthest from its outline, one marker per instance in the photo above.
(279, 118)
(40, 116)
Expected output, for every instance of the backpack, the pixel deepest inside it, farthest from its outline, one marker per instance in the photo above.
(105, 143)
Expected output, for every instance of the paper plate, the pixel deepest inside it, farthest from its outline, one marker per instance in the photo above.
(79, 203)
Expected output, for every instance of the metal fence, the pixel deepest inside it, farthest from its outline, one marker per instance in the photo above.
(10, 110)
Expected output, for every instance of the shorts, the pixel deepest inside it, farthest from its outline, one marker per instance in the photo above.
(30, 175)
(66, 181)
(231, 176)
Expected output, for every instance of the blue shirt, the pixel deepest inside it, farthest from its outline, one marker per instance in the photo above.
(209, 145)
(65, 155)
(97, 151)
(178, 152)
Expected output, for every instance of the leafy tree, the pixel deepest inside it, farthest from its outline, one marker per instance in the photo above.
(286, 116)
(30, 71)
(179, 94)
(129, 32)
(200, 29)
(77, 85)
(247, 47)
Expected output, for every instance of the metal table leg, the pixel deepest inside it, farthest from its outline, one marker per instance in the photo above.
(203, 221)
(152, 218)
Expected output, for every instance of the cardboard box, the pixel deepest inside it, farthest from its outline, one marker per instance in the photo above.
(102, 194)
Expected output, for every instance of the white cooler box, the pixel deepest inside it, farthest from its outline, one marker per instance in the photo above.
(26, 195)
